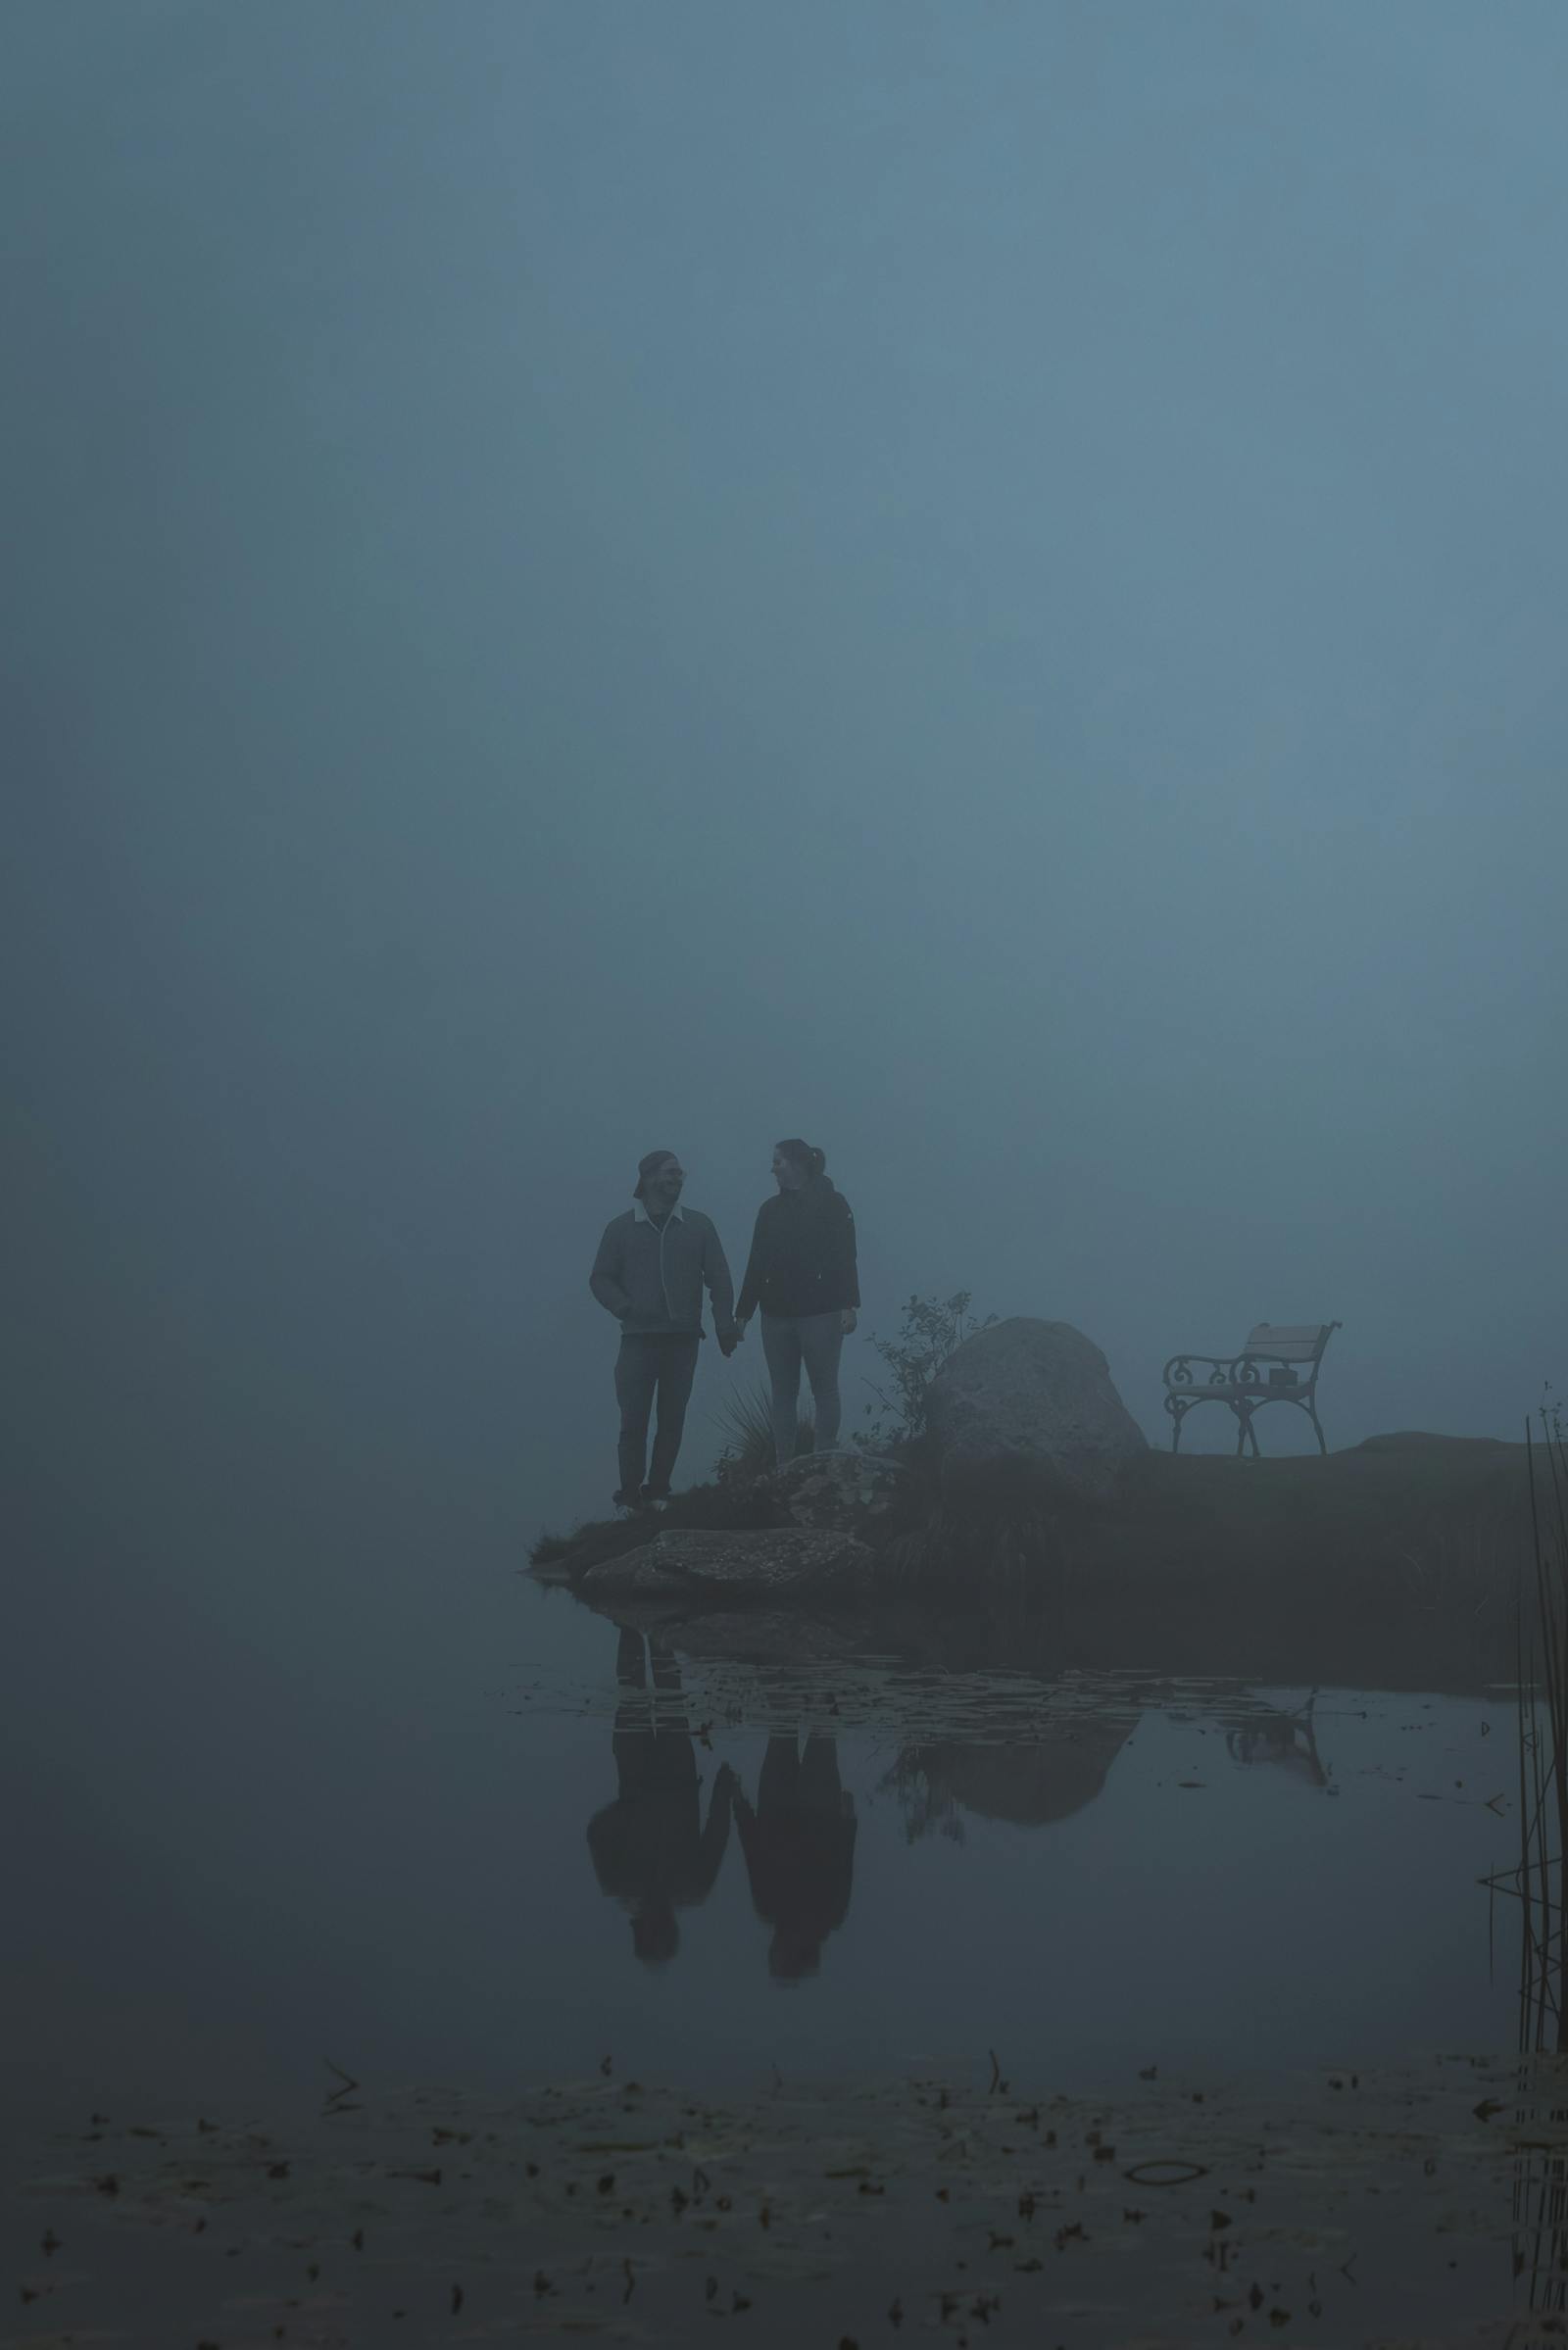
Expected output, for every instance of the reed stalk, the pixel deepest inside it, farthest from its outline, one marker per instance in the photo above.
(1541, 1647)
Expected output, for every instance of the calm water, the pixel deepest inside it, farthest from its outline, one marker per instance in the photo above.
(416, 1816)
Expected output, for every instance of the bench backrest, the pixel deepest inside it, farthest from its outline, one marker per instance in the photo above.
(1292, 1342)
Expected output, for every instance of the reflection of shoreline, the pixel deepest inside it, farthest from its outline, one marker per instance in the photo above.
(1443, 1655)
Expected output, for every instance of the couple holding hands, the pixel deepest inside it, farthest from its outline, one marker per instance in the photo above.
(653, 1265)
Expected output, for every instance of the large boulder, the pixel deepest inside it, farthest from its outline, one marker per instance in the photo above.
(683, 1561)
(1025, 1419)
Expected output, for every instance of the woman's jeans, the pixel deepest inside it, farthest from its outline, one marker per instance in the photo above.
(816, 1340)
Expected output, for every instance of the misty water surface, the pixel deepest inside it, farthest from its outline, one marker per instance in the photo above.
(361, 1833)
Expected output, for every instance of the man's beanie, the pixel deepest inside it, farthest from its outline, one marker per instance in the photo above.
(649, 1164)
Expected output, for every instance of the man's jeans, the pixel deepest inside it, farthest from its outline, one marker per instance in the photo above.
(663, 1365)
(817, 1341)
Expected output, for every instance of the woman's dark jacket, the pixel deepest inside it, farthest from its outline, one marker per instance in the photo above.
(802, 1255)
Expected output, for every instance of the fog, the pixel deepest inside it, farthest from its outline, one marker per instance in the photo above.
(980, 585)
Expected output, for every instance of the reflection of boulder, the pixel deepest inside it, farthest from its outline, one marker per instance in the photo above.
(1028, 1784)
(1025, 1418)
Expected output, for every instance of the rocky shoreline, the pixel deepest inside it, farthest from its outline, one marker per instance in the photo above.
(1032, 1491)
(1406, 1538)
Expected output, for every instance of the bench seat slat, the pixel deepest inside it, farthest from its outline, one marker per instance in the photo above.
(1295, 1340)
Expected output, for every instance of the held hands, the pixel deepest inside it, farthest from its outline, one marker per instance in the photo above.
(727, 1347)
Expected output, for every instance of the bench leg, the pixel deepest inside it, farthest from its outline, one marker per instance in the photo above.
(1243, 1430)
(1322, 1442)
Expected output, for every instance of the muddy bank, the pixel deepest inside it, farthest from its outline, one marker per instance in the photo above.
(1340, 2208)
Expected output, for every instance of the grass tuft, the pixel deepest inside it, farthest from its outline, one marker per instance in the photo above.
(745, 1420)
(549, 1548)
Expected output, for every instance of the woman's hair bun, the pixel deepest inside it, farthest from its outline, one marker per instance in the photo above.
(805, 1155)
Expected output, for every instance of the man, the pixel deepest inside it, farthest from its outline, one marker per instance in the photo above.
(650, 1848)
(652, 1268)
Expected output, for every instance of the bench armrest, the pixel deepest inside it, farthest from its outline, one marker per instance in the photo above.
(1236, 1370)
(1178, 1372)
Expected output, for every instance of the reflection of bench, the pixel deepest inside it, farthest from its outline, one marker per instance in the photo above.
(1277, 1366)
(1263, 1734)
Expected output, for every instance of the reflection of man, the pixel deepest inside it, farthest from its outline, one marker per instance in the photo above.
(649, 1850)
(653, 1265)
(800, 1851)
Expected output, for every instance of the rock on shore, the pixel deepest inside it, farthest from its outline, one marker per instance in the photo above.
(1025, 1416)
(681, 1561)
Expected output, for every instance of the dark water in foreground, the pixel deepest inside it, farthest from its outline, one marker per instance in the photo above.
(406, 1825)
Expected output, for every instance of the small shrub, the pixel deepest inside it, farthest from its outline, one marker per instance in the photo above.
(932, 1330)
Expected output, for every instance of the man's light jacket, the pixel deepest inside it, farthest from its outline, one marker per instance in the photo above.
(652, 1278)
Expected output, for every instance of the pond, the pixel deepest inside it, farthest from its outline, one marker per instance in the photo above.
(404, 1953)
(468, 1833)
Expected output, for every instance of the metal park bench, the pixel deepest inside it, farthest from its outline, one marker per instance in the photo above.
(1279, 1364)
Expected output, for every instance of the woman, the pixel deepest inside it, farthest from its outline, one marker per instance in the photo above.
(801, 1273)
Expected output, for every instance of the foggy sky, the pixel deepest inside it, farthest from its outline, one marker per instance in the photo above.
(982, 584)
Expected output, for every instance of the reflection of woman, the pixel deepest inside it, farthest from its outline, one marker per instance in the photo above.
(649, 1850)
(800, 1851)
(801, 1273)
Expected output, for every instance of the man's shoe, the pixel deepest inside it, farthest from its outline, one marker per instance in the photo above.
(655, 1492)
(625, 1501)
